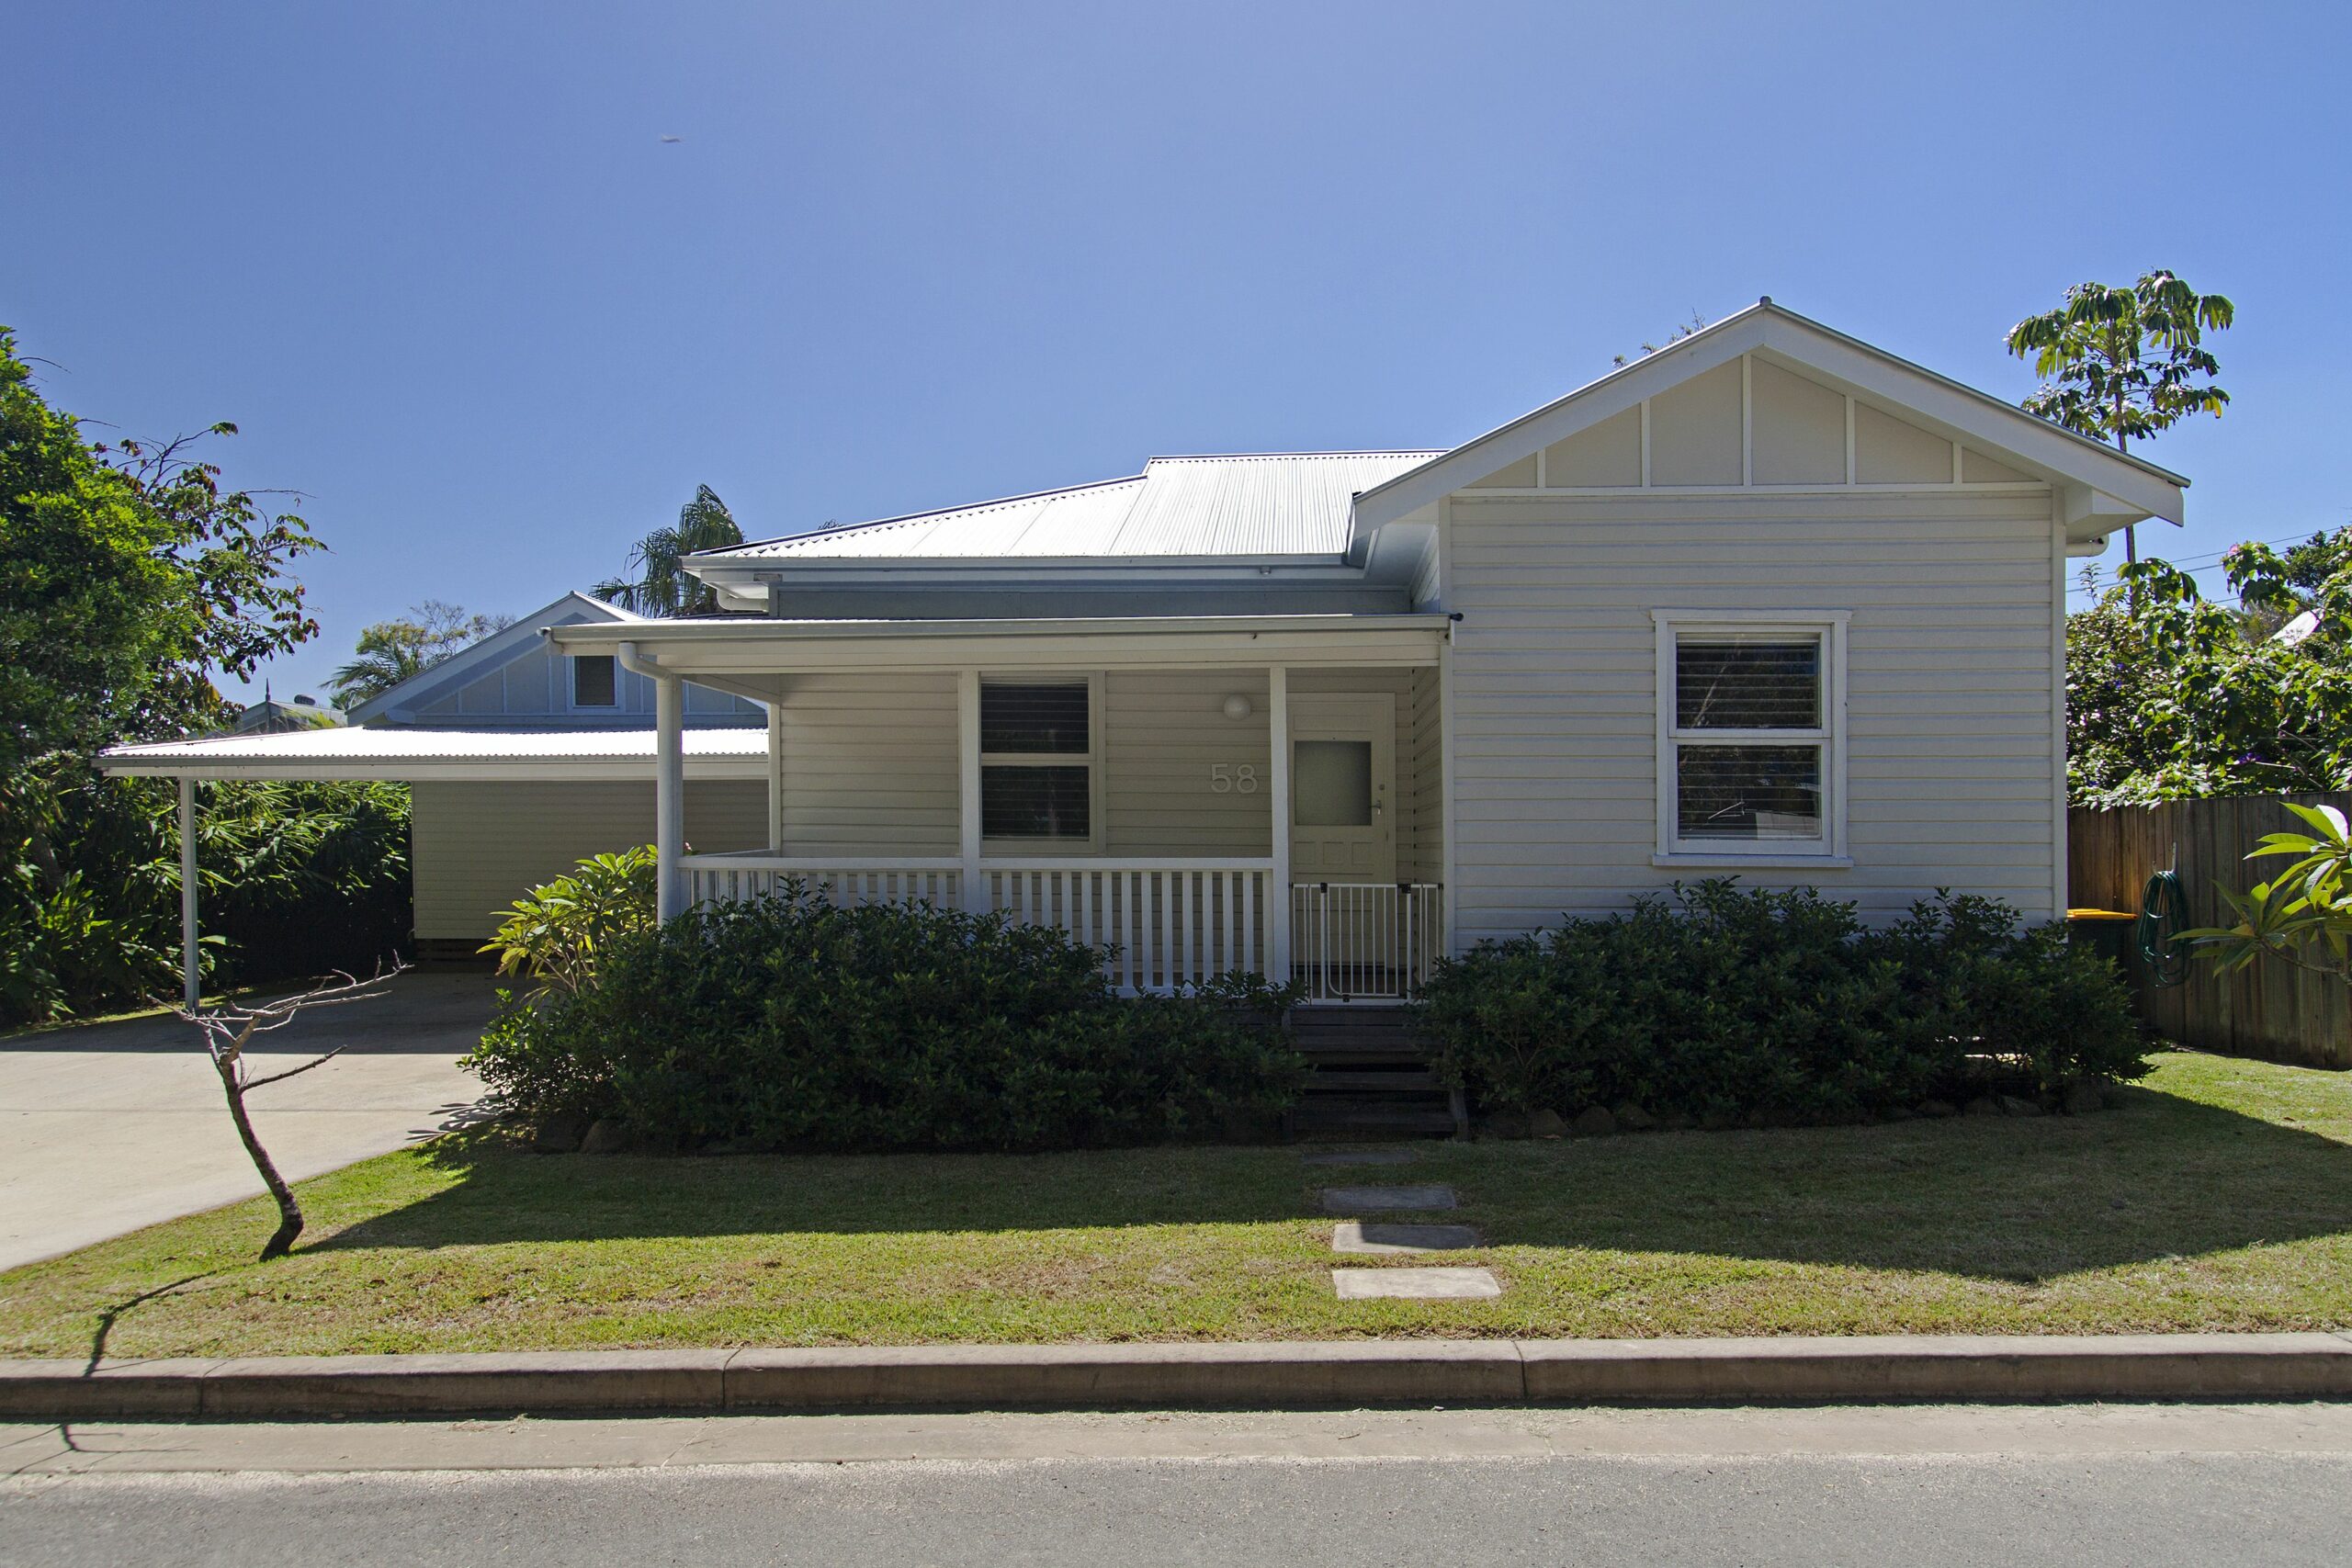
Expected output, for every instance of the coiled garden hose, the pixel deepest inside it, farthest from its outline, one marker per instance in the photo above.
(2164, 912)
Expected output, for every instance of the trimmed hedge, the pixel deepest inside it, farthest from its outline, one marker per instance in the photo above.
(1745, 1005)
(792, 1023)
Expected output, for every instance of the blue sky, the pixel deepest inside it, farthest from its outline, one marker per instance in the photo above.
(438, 263)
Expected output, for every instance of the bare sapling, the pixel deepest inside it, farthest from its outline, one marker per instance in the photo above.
(229, 1030)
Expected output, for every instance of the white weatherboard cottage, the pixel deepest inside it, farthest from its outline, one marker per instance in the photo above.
(1769, 603)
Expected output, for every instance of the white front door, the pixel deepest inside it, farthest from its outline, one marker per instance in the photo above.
(1343, 787)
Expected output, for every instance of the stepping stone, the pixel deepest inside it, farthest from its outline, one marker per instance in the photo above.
(1384, 1199)
(1354, 1236)
(1365, 1157)
(1415, 1284)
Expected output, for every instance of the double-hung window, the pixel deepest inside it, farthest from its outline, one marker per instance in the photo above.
(1038, 763)
(1751, 736)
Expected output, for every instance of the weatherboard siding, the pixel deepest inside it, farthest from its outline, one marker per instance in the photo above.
(477, 847)
(869, 765)
(1950, 688)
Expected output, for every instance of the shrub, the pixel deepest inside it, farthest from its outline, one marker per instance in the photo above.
(1731, 1004)
(296, 879)
(555, 932)
(792, 1023)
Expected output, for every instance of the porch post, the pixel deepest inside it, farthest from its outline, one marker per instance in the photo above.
(1278, 801)
(669, 795)
(189, 982)
(967, 790)
(775, 777)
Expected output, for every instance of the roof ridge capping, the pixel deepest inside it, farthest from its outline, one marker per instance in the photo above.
(1395, 497)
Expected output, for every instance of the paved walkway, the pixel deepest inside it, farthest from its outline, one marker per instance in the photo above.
(112, 1126)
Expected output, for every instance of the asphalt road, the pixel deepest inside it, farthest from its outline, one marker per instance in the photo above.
(2012, 1488)
(107, 1127)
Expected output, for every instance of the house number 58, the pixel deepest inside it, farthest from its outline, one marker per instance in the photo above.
(1227, 777)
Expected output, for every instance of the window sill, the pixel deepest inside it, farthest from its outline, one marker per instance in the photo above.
(1764, 862)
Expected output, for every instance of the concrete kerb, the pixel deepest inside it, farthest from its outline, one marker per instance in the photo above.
(1246, 1376)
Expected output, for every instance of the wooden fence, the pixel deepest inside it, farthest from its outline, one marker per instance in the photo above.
(2274, 1010)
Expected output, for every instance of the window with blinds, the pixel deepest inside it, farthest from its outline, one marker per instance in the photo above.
(1037, 762)
(1747, 747)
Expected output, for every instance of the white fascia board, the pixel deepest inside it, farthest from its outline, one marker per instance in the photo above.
(1950, 409)
(766, 647)
(745, 587)
(395, 703)
(549, 770)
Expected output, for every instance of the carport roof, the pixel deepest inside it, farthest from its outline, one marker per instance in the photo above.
(402, 755)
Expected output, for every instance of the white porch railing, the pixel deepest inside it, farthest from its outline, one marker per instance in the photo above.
(718, 879)
(1172, 923)
(1366, 941)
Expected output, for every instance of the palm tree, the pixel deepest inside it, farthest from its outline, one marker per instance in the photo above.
(390, 652)
(662, 585)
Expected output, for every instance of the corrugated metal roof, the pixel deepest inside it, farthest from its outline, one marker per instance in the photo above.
(1274, 503)
(360, 746)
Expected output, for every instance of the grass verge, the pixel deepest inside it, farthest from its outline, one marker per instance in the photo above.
(2220, 1197)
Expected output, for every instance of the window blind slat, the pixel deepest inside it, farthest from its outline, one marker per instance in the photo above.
(1747, 683)
(1034, 717)
(1036, 802)
(1748, 792)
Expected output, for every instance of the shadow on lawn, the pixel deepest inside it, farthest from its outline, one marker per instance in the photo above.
(2013, 1200)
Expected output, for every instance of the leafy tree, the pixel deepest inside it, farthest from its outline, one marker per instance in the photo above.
(2172, 696)
(662, 584)
(390, 652)
(2122, 364)
(128, 577)
(2313, 578)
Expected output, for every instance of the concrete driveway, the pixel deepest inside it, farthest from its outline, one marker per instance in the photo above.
(107, 1127)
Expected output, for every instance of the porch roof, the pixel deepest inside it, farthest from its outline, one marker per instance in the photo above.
(710, 652)
(406, 755)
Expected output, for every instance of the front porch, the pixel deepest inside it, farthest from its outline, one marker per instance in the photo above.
(1164, 791)
(1172, 923)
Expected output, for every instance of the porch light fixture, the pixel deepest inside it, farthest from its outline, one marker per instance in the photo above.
(1237, 707)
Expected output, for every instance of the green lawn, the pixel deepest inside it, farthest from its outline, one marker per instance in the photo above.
(2219, 1198)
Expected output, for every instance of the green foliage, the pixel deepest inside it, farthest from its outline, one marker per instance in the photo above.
(2302, 916)
(294, 880)
(1735, 1004)
(128, 577)
(662, 585)
(558, 932)
(2120, 365)
(794, 1022)
(390, 652)
(2171, 696)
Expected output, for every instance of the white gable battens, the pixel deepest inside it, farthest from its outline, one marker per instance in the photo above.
(2101, 485)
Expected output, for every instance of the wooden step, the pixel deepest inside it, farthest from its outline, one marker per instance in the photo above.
(1374, 1051)
(1363, 1120)
(1419, 1080)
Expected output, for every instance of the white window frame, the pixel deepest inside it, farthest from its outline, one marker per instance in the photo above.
(571, 685)
(1829, 850)
(1091, 759)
